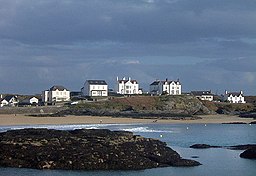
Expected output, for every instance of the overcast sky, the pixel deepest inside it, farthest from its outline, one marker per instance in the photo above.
(207, 44)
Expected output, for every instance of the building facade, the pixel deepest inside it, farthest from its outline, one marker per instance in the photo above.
(128, 87)
(234, 97)
(95, 88)
(56, 94)
(9, 100)
(203, 95)
(159, 87)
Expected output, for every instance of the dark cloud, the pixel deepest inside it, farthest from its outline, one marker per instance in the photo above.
(203, 42)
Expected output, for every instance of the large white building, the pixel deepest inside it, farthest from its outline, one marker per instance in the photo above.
(95, 88)
(234, 97)
(128, 87)
(168, 87)
(56, 94)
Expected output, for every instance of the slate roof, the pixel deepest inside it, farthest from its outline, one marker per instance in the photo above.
(200, 93)
(168, 82)
(60, 88)
(234, 94)
(155, 83)
(125, 81)
(9, 97)
(97, 82)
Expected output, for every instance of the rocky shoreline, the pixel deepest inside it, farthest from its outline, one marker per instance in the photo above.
(85, 149)
(249, 149)
(129, 114)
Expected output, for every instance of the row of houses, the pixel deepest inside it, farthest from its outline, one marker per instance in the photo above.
(99, 88)
(231, 97)
(14, 100)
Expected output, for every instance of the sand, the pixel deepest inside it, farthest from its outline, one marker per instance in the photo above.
(11, 119)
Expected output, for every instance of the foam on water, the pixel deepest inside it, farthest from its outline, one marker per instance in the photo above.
(144, 130)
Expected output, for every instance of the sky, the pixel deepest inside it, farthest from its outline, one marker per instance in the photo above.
(206, 44)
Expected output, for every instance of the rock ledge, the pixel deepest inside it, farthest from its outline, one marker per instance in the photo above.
(85, 149)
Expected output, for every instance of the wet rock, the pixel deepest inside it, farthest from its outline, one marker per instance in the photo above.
(202, 146)
(85, 149)
(238, 123)
(234, 147)
(249, 153)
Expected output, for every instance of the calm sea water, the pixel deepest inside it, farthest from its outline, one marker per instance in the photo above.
(179, 137)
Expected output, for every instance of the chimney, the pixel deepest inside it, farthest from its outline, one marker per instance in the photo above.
(1, 96)
(129, 78)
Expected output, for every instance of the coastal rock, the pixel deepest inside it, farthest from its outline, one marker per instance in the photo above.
(234, 147)
(234, 123)
(85, 149)
(202, 146)
(249, 153)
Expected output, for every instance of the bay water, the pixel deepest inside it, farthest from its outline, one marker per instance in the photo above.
(215, 161)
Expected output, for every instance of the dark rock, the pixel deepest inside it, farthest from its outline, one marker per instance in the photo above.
(202, 146)
(248, 115)
(235, 123)
(234, 147)
(241, 147)
(85, 150)
(249, 153)
(194, 156)
(254, 122)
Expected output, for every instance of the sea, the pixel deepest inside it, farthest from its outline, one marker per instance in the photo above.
(215, 161)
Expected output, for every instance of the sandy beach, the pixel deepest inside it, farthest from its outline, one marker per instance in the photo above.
(11, 119)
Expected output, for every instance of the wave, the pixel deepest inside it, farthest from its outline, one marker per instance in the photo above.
(145, 130)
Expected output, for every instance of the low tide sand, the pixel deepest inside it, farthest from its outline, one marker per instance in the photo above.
(12, 119)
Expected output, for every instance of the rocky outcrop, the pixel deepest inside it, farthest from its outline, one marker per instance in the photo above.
(234, 147)
(203, 146)
(85, 149)
(249, 153)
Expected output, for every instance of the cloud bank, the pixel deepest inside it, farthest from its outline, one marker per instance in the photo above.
(206, 44)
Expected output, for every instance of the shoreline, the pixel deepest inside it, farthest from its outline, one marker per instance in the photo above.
(20, 119)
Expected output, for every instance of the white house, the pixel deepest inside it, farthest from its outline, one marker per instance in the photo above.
(95, 88)
(203, 95)
(234, 97)
(128, 87)
(159, 87)
(9, 100)
(30, 101)
(56, 94)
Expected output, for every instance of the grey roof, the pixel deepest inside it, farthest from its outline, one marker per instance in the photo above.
(200, 93)
(97, 82)
(168, 82)
(155, 83)
(9, 97)
(234, 93)
(60, 88)
(125, 81)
